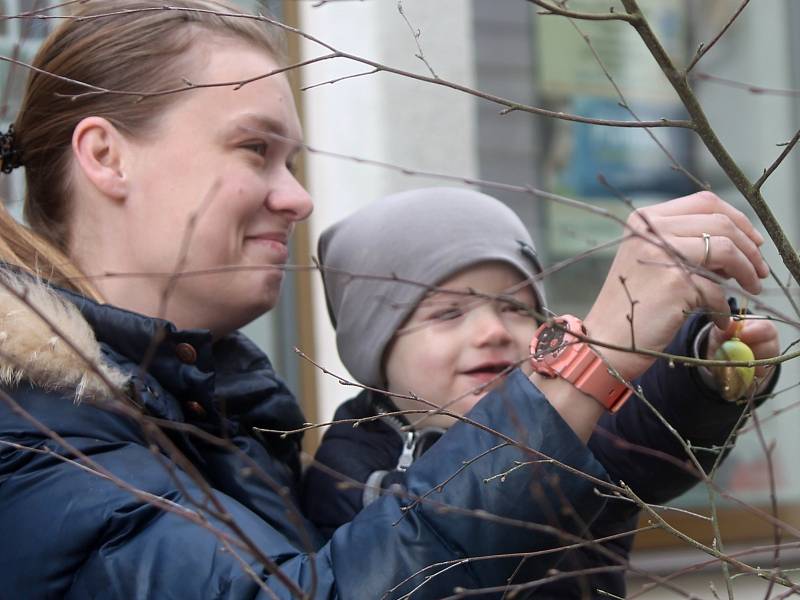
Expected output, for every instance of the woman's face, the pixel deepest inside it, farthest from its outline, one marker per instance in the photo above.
(213, 189)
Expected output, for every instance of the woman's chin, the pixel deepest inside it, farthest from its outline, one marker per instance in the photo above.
(228, 317)
(256, 294)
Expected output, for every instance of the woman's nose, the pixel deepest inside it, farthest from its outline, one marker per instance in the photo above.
(289, 197)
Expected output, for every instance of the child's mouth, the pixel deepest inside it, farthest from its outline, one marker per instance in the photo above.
(489, 371)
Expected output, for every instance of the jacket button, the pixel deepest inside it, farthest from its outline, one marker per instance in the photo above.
(186, 353)
(196, 409)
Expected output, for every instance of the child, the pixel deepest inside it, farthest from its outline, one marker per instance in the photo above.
(435, 296)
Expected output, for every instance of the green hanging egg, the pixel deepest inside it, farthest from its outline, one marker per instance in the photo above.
(734, 382)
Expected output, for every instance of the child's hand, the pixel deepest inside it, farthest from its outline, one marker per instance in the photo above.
(761, 335)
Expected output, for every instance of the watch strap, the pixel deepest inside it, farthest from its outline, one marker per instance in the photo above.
(589, 373)
(577, 362)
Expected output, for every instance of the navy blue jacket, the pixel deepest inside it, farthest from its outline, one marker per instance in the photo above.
(145, 525)
(695, 411)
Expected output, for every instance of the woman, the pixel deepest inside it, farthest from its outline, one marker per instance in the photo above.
(129, 466)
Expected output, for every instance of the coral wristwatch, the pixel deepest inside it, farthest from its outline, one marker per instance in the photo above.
(556, 352)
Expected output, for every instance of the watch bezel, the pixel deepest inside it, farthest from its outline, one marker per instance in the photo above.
(574, 360)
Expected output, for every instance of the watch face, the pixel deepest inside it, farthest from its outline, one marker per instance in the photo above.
(551, 340)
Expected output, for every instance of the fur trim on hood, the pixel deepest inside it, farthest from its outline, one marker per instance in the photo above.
(34, 323)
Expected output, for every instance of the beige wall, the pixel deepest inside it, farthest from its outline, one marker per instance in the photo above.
(381, 117)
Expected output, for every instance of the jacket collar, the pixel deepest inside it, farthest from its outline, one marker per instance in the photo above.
(231, 378)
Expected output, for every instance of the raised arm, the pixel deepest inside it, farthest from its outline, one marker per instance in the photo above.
(663, 271)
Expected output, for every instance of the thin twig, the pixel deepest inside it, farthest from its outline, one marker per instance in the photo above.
(335, 53)
(780, 411)
(771, 169)
(526, 555)
(785, 289)
(703, 185)
(630, 316)
(338, 79)
(773, 497)
(161, 503)
(465, 465)
(119, 402)
(749, 87)
(660, 507)
(702, 49)
(707, 563)
(39, 13)
(558, 576)
(416, 33)
(726, 558)
(560, 10)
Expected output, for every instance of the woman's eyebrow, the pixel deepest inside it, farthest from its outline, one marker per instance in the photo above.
(259, 123)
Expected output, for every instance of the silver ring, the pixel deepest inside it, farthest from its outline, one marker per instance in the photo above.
(706, 250)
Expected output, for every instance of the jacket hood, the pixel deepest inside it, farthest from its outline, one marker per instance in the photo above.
(45, 340)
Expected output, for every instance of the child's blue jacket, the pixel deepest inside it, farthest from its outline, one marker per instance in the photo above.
(695, 411)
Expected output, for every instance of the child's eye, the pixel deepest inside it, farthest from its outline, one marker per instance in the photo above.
(257, 147)
(515, 308)
(447, 314)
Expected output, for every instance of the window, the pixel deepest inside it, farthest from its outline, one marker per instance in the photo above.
(33, 28)
(543, 61)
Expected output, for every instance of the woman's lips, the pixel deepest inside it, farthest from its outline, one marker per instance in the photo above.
(275, 244)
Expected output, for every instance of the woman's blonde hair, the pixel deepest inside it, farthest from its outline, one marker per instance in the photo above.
(119, 46)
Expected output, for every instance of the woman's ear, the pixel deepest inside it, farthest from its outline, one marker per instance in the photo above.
(98, 148)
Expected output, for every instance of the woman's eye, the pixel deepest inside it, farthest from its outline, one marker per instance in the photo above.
(447, 314)
(259, 148)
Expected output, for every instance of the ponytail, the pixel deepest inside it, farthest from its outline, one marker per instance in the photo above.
(22, 248)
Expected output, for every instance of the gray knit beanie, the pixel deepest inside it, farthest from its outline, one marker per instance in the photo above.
(423, 236)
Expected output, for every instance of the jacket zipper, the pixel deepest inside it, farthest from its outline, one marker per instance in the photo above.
(409, 441)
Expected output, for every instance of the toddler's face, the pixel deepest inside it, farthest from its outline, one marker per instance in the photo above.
(454, 345)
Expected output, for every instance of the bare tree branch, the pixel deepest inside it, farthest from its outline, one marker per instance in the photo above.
(334, 53)
(709, 137)
(553, 9)
(726, 558)
(626, 105)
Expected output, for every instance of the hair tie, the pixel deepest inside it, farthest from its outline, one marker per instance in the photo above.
(10, 154)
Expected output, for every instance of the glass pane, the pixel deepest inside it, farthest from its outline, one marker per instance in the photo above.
(32, 28)
(3, 19)
(603, 166)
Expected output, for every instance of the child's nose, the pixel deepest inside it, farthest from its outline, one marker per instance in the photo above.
(490, 328)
